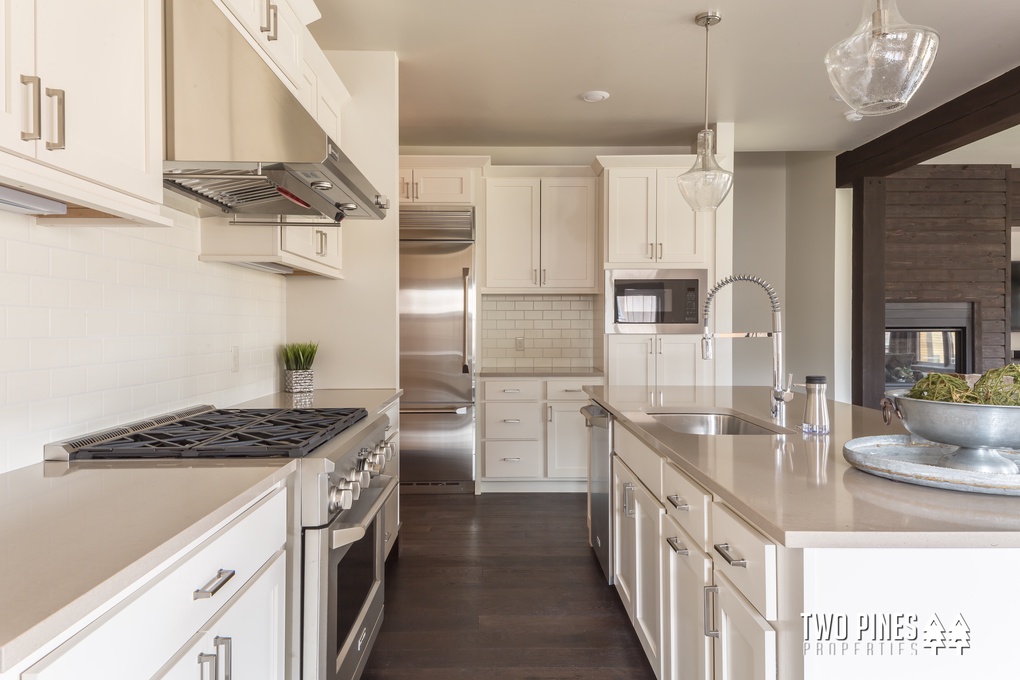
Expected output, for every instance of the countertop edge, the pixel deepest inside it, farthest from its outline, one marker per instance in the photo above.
(55, 627)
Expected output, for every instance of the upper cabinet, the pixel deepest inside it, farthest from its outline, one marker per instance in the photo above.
(437, 185)
(276, 28)
(649, 222)
(81, 105)
(540, 233)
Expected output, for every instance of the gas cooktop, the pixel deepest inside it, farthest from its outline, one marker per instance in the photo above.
(220, 433)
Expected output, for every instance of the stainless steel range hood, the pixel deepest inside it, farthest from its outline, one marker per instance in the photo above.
(237, 140)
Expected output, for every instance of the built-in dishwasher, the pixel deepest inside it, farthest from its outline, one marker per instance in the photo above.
(600, 481)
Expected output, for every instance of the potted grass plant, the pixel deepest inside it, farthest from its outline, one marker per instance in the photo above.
(297, 363)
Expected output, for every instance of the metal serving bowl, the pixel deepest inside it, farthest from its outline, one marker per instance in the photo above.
(977, 429)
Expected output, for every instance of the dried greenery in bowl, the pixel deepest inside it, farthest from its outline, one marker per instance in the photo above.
(298, 356)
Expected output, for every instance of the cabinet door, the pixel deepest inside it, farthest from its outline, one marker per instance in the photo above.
(648, 595)
(686, 650)
(566, 440)
(443, 185)
(746, 648)
(681, 239)
(632, 361)
(320, 244)
(512, 233)
(568, 232)
(246, 640)
(624, 534)
(679, 362)
(102, 92)
(17, 60)
(631, 219)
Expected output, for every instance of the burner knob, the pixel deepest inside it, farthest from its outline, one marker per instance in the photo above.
(378, 460)
(354, 485)
(340, 499)
(390, 450)
(368, 466)
(362, 477)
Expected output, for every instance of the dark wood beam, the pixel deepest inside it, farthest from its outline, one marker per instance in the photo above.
(985, 110)
(867, 345)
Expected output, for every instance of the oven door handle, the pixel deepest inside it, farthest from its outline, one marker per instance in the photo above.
(345, 533)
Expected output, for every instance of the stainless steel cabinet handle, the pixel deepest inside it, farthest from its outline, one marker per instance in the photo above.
(466, 368)
(228, 661)
(678, 503)
(407, 189)
(724, 550)
(628, 502)
(320, 243)
(36, 100)
(274, 17)
(674, 543)
(573, 390)
(534, 276)
(207, 661)
(660, 251)
(213, 586)
(651, 346)
(544, 278)
(550, 414)
(512, 421)
(267, 23)
(512, 390)
(58, 99)
(660, 345)
(710, 611)
(417, 190)
(511, 460)
(651, 251)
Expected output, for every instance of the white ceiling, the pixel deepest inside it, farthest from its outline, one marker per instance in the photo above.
(510, 72)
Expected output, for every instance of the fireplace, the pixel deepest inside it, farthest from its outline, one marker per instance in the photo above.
(926, 337)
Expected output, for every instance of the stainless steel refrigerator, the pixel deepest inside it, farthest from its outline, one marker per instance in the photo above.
(437, 292)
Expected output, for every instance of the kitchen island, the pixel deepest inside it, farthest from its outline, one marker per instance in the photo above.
(807, 566)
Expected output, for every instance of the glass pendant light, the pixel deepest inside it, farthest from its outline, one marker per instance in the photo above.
(879, 68)
(706, 184)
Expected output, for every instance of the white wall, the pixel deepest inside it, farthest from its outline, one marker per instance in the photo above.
(759, 237)
(811, 255)
(354, 320)
(102, 326)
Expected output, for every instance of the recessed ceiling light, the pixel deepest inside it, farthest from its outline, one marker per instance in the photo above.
(595, 96)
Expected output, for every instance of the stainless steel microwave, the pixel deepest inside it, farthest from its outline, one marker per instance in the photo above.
(655, 300)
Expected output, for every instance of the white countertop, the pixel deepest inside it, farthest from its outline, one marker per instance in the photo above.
(74, 535)
(799, 489)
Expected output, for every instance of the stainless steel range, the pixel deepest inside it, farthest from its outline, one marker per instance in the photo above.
(341, 454)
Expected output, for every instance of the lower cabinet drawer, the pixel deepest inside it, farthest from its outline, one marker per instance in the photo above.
(687, 503)
(512, 390)
(513, 459)
(139, 635)
(513, 420)
(746, 557)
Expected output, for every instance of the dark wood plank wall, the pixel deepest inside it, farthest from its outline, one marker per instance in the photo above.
(947, 239)
(1014, 186)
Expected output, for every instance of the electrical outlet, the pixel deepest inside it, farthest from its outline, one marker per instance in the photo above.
(235, 358)
(519, 344)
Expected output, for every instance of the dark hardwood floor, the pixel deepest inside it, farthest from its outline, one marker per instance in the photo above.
(501, 587)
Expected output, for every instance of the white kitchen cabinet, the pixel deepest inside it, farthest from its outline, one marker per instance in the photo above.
(686, 572)
(745, 648)
(532, 429)
(637, 558)
(274, 247)
(143, 632)
(321, 91)
(540, 233)
(649, 222)
(437, 185)
(657, 361)
(83, 96)
(275, 27)
(246, 639)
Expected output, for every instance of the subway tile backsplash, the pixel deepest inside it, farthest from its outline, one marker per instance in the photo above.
(556, 331)
(102, 325)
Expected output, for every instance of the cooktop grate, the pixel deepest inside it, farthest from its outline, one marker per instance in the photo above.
(225, 433)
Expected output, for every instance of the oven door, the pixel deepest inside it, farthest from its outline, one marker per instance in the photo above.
(343, 587)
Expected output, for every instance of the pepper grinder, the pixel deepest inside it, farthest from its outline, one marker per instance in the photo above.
(816, 412)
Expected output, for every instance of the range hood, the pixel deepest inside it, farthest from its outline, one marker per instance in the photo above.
(237, 140)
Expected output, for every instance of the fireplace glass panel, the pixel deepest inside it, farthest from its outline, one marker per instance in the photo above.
(910, 354)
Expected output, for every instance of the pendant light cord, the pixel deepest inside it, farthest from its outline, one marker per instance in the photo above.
(707, 24)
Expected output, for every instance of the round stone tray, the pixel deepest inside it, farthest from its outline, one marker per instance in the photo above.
(906, 458)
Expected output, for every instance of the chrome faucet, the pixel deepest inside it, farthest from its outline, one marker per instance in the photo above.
(780, 393)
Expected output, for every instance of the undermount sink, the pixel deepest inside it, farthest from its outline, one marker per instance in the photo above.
(710, 423)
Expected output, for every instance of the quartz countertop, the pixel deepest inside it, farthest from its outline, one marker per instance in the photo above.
(75, 535)
(798, 488)
(540, 373)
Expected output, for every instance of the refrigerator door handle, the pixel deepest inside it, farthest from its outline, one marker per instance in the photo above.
(450, 410)
(467, 327)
